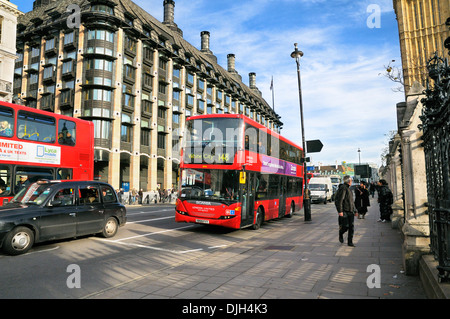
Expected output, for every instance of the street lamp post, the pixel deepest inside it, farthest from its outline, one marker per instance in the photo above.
(297, 54)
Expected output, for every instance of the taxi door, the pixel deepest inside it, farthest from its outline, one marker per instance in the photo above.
(91, 211)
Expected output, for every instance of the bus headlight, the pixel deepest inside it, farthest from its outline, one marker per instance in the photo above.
(226, 217)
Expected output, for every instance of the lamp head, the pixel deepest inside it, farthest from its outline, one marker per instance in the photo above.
(297, 53)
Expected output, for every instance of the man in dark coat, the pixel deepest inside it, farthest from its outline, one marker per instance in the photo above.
(385, 199)
(362, 200)
(346, 210)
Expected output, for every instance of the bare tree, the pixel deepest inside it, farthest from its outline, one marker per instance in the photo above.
(395, 74)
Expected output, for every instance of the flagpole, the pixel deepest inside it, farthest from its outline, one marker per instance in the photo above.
(273, 94)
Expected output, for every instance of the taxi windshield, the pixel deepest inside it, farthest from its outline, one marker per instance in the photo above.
(35, 194)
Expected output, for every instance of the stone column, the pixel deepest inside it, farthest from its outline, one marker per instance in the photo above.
(114, 156)
(397, 186)
(135, 159)
(416, 230)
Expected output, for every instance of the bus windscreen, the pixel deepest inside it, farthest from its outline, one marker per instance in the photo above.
(212, 141)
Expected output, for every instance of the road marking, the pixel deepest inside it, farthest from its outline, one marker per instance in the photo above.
(155, 211)
(35, 251)
(150, 220)
(160, 249)
(121, 242)
(219, 246)
(149, 234)
(167, 250)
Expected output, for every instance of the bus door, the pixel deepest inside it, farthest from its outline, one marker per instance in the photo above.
(248, 189)
(283, 190)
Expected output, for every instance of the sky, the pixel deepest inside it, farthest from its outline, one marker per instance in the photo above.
(347, 102)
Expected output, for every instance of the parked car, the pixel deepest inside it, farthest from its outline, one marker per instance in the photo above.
(50, 210)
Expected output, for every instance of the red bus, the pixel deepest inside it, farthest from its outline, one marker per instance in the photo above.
(36, 144)
(237, 173)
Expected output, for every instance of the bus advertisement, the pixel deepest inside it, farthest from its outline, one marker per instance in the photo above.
(36, 144)
(236, 173)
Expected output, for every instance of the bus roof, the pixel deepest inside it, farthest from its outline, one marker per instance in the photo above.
(37, 111)
(246, 119)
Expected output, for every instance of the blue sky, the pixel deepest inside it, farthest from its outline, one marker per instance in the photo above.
(347, 103)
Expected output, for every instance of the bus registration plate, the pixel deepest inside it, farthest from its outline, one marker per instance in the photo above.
(202, 221)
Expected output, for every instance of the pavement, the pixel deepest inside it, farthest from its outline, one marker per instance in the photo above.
(288, 259)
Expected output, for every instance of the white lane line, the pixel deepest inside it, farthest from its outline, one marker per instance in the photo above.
(167, 250)
(219, 246)
(150, 234)
(35, 252)
(160, 249)
(152, 212)
(150, 220)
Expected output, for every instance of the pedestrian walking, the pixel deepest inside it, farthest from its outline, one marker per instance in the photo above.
(385, 199)
(346, 210)
(141, 195)
(133, 196)
(372, 189)
(120, 193)
(362, 200)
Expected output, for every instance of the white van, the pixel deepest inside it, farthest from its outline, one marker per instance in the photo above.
(321, 189)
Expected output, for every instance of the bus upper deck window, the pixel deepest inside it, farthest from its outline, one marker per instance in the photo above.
(6, 121)
(66, 132)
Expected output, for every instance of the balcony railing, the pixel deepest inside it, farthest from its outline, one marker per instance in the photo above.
(5, 88)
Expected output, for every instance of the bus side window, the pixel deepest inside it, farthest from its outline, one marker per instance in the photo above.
(66, 132)
(64, 173)
(21, 131)
(5, 180)
(5, 129)
(35, 127)
(6, 121)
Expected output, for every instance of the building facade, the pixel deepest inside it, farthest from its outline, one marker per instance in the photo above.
(136, 78)
(422, 31)
(8, 24)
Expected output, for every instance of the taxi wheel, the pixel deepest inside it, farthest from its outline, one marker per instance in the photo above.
(110, 228)
(18, 241)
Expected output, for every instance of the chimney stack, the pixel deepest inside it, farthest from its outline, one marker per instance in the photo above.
(169, 12)
(252, 80)
(231, 58)
(252, 83)
(205, 35)
(169, 16)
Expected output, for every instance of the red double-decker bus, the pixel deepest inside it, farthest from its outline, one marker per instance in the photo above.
(237, 173)
(36, 144)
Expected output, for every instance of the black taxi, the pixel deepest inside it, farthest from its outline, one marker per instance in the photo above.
(50, 210)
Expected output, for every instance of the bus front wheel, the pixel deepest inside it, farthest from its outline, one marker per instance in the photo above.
(259, 219)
